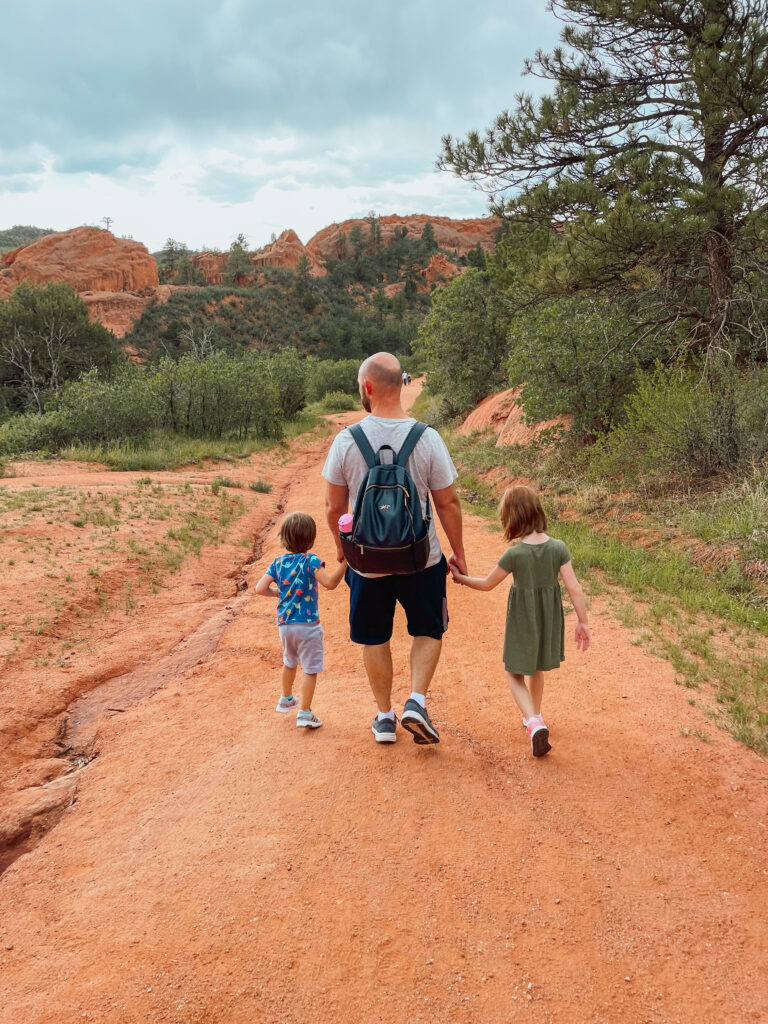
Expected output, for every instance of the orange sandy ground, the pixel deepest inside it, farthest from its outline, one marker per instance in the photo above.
(220, 865)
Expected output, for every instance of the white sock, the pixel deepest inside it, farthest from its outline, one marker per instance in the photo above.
(387, 714)
(419, 698)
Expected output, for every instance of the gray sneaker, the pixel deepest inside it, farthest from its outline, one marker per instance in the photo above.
(307, 720)
(384, 729)
(285, 704)
(418, 723)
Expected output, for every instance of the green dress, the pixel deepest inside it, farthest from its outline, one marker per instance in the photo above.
(534, 635)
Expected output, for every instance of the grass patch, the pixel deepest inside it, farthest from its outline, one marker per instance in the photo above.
(260, 486)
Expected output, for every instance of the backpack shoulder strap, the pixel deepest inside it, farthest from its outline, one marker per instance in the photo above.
(410, 443)
(363, 444)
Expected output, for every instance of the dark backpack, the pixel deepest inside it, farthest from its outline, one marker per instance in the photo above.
(389, 533)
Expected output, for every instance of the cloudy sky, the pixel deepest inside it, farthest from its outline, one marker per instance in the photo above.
(197, 119)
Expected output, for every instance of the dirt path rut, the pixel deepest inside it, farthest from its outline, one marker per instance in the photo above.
(220, 865)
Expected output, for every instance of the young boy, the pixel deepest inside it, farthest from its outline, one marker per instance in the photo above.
(296, 575)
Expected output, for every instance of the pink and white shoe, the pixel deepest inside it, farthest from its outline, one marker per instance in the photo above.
(539, 733)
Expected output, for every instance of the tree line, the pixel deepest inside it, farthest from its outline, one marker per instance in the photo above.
(635, 258)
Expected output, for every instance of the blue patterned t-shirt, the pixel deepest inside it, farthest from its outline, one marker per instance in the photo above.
(294, 575)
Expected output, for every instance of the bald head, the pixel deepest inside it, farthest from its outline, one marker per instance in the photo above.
(383, 371)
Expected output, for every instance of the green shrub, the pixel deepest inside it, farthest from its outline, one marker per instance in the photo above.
(289, 372)
(97, 410)
(32, 433)
(576, 356)
(688, 422)
(260, 486)
(338, 401)
(327, 375)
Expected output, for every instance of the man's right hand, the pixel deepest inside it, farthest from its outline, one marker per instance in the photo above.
(460, 562)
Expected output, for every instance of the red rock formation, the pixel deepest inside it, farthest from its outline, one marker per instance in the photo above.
(89, 259)
(118, 311)
(287, 251)
(502, 414)
(439, 270)
(450, 233)
(211, 265)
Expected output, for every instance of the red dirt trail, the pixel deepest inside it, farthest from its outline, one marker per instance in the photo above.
(220, 865)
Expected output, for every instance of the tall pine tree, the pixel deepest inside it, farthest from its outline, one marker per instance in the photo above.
(649, 157)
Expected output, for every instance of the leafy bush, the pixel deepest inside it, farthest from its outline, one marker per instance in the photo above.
(326, 376)
(32, 433)
(47, 338)
(464, 340)
(289, 372)
(685, 422)
(576, 356)
(98, 410)
(338, 401)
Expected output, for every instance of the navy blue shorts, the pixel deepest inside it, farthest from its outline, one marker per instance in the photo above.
(372, 604)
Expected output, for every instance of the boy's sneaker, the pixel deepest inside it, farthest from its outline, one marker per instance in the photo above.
(287, 704)
(307, 720)
(384, 729)
(539, 733)
(416, 720)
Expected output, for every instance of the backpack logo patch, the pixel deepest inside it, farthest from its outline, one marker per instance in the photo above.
(385, 508)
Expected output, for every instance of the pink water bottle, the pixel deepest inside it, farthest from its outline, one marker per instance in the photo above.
(345, 523)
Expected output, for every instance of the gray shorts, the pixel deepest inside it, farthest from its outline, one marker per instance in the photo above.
(302, 645)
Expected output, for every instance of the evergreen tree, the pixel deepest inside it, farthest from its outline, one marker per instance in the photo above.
(428, 243)
(238, 266)
(650, 157)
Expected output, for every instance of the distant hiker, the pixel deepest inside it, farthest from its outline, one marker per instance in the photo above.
(534, 636)
(408, 378)
(296, 575)
(393, 542)
(405, 377)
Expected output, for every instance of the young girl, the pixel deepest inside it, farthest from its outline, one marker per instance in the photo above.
(533, 640)
(292, 578)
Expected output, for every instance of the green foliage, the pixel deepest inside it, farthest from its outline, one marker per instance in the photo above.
(649, 153)
(21, 234)
(464, 341)
(238, 266)
(338, 401)
(97, 410)
(576, 356)
(683, 423)
(326, 376)
(29, 432)
(47, 338)
(289, 373)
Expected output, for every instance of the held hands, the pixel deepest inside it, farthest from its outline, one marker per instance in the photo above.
(459, 563)
(583, 636)
(457, 576)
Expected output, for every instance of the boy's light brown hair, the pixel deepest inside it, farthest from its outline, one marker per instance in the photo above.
(521, 513)
(298, 532)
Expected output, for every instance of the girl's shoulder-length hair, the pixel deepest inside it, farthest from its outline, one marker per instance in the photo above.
(521, 513)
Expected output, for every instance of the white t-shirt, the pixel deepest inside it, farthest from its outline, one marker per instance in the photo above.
(429, 466)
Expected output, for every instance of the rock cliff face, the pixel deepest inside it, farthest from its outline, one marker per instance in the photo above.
(118, 311)
(89, 259)
(503, 414)
(286, 251)
(462, 235)
(439, 270)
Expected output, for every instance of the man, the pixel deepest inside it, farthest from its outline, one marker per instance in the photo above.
(421, 594)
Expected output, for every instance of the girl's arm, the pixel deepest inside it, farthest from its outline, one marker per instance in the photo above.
(582, 633)
(331, 580)
(264, 587)
(493, 579)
